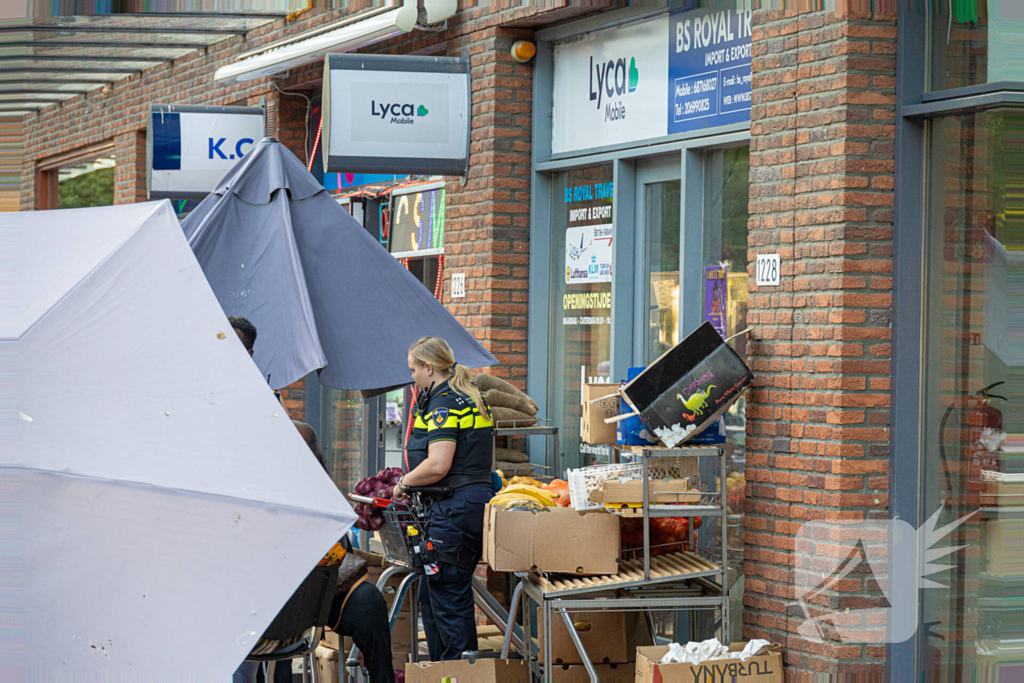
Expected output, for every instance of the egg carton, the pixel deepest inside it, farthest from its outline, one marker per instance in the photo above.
(587, 479)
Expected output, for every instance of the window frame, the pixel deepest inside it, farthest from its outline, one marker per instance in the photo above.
(914, 108)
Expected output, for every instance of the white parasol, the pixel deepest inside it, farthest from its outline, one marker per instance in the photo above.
(159, 505)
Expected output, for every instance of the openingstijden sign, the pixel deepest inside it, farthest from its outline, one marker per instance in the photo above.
(190, 148)
(396, 114)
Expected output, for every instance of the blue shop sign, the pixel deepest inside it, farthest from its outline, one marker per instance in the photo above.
(708, 69)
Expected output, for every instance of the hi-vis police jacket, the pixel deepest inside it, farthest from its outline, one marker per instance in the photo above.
(450, 416)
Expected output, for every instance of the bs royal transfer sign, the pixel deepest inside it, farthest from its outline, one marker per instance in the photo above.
(190, 148)
(396, 114)
(682, 71)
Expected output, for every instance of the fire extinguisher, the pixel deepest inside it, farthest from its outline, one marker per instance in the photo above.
(981, 427)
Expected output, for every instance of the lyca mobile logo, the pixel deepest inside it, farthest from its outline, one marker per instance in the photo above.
(399, 113)
(614, 79)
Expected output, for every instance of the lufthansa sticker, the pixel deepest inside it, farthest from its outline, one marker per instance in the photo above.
(440, 415)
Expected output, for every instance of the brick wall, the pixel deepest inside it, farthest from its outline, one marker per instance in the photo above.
(487, 231)
(821, 173)
(487, 226)
(130, 156)
(119, 114)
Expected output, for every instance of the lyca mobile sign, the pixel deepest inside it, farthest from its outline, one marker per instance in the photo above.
(396, 114)
(609, 87)
(190, 148)
(682, 71)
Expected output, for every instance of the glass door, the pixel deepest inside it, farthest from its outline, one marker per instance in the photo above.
(659, 211)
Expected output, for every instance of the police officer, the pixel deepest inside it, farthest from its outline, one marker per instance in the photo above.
(450, 449)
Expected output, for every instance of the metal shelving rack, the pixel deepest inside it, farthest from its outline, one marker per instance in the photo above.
(670, 588)
(513, 429)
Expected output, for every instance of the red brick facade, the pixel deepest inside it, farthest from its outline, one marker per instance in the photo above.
(821, 174)
(821, 195)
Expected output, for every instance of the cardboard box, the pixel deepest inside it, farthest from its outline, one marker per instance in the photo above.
(1004, 546)
(765, 668)
(398, 659)
(606, 673)
(608, 637)
(556, 540)
(996, 667)
(461, 671)
(600, 401)
(401, 634)
(327, 665)
(689, 387)
(1002, 494)
(616, 493)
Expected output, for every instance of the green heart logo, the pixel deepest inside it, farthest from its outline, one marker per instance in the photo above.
(634, 74)
(422, 111)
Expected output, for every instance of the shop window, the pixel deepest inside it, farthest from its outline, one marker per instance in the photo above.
(341, 431)
(975, 41)
(727, 190)
(973, 388)
(89, 183)
(581, 313)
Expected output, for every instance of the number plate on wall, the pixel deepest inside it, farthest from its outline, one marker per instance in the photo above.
(769, 270)
(458, 285)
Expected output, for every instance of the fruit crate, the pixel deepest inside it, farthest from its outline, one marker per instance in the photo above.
(586, 479)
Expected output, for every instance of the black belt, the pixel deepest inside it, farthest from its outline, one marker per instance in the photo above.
(449, 485)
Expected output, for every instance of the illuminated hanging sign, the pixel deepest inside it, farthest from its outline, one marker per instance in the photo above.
(417, 222)
(190, 148)
(396, 114)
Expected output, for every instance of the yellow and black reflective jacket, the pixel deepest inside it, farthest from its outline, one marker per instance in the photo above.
(446, 415)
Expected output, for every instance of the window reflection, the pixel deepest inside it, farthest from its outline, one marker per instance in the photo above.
(974, 385)
(662, 229)
(727, 191)
(975, 41)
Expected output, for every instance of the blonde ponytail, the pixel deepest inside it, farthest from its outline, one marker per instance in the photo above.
(462, 382)
(437, 353)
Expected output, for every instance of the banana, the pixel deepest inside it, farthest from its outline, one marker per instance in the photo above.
(540, 495)
(502, 499)
(529, 481)
(523, 504)
(516, 499)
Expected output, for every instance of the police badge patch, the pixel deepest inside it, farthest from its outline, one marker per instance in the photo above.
(440, 415)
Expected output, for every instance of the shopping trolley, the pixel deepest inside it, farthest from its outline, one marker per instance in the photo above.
(401, 552)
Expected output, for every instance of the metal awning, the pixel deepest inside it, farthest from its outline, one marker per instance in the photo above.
(47, 59)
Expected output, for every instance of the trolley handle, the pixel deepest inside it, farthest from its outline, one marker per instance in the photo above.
(382, 503)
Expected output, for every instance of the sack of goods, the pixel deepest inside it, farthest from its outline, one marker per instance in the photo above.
(509, 406)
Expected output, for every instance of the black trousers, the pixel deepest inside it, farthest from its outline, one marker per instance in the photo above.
(365, 621)
(455, 528)
(449, 617)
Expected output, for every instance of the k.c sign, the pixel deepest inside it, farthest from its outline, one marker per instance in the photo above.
(396, 114)
(190, 148)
